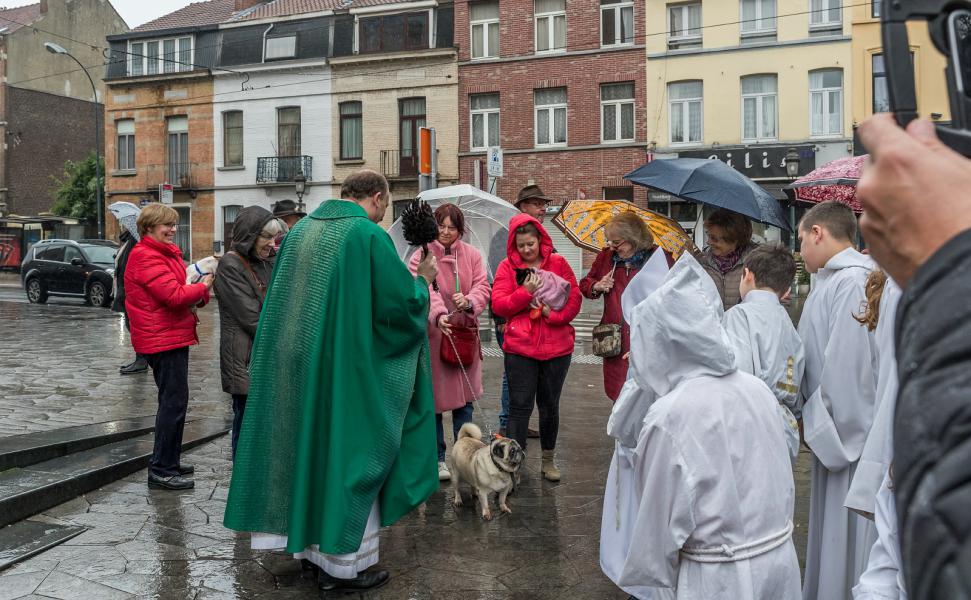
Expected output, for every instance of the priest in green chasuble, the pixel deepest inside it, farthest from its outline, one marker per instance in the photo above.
(338, 438)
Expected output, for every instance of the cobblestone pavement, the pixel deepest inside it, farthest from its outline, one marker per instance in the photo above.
(62, 370)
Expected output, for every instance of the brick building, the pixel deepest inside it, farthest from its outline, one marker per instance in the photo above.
(562, 92)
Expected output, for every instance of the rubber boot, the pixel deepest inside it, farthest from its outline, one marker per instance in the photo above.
(550, 471)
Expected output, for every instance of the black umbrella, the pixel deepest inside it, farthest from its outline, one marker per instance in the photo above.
(714, 183)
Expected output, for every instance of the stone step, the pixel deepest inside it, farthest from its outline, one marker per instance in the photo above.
(20, 451)
(26, 492)
(22, 540)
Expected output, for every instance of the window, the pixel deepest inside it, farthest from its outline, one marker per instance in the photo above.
(875, 8)
(684, 26)
(758, 20)
(352, 131)
(288, 131)
(229, 219)
(411, 118)
(550, 25)
(825, 17)
(616, 22)
(617, 112)
(619, 193)
(70, 253)
(485, 120)
(281, 47)
(52, 253)
(171, 55)
(684, 112)
(178, 150)
(881, 96)
(233, 138)
(759, 110)
(826, 101)
(394, 33)
(550, 116)
(125, 144)
(484, 17)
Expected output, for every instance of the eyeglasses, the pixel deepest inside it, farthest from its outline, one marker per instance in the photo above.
(616, 243)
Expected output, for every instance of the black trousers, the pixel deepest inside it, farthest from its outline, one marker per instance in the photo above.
(536, 382)
(171, 372)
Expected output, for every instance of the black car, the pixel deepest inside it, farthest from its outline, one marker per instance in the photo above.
(81, 269)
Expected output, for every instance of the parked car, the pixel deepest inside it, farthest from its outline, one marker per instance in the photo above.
(79, 269)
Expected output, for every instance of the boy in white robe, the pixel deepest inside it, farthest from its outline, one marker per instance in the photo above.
(714, 483)
(765, 342)
(839, 389)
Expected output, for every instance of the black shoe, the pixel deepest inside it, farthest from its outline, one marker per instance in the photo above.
(186, 469)
(139, 366)
(308, 568)
(364, 581)
(173, 482)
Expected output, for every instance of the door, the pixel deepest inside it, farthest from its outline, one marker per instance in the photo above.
(74, 276)
(50, 263)
(412, 115)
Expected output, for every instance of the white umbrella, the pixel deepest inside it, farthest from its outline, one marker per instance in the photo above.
(127, 215)
(486, 222)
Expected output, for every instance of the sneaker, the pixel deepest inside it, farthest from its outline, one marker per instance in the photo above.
(443, 472)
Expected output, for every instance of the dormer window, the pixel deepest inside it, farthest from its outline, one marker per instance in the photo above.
(281, 47)
(394, 33)
(151, 57)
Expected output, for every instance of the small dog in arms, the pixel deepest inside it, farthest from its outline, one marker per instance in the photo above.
(197, 270)
(487, 468)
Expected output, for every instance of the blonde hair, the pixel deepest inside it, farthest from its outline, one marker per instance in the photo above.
(873, 288)
(154, 214)
(631, 228)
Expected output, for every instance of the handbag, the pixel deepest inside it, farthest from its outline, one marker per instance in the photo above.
(461, 347)
(607, 340)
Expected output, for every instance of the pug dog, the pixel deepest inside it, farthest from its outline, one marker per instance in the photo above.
(487, 468)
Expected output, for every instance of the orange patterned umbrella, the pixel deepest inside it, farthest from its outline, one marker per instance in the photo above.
(585, 222)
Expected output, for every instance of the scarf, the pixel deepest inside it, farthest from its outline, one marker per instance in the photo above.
(636, 260)
(727, 263)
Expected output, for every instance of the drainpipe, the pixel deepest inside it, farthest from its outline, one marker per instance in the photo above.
(265, 33)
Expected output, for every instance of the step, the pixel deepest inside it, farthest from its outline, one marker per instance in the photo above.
(26, 492)
(19, 451)
(22, 540)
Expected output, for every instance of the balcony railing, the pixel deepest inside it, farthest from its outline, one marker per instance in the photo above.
(182, 176)
(179, 175)
(393, 165)
(282, 169)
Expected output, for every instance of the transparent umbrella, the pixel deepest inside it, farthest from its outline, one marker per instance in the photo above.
(486, 222)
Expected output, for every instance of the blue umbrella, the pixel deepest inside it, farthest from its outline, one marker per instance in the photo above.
(711, 182)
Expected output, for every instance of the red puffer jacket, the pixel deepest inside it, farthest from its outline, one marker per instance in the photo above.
(546, 337)
(158, 300)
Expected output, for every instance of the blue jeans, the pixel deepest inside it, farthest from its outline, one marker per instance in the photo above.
(504, 399)
(460, 416)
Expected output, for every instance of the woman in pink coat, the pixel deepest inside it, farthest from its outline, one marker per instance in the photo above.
(463, 294)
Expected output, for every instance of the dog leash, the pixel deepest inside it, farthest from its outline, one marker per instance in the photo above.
(465, 374)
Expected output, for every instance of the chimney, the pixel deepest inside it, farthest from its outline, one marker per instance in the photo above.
(43, 7)
(240, 4)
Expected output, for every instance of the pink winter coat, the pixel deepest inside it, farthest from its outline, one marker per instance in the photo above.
(451, 389)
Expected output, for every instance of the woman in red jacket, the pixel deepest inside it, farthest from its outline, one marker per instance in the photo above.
(163, 326)
(629, 246)
(538, 341)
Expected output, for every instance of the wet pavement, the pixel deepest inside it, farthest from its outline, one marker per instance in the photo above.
(60, 369)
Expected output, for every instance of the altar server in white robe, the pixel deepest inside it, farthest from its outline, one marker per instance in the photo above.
(839, 390)
(868, 495)
(624, 425)
(764, 340)
(711, 470)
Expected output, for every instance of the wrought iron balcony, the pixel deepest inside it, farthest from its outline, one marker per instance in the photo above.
(282, 169)
(394, 165)
(179, 175)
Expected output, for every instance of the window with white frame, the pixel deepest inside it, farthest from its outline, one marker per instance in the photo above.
(685, 112)
(616, 22)
(826, 101)
(684, 26)
(151, 57)
(280, 47)
(550, 25)
(759, 108)
(177, 150)
(758, 20)
(617, 112)
(550, 116)
(484, 110)
(126, 144)
(484, 18)
(825, 17)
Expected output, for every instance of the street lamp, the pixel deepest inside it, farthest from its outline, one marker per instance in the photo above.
(792, 163)
(55, 49)
(300, 186)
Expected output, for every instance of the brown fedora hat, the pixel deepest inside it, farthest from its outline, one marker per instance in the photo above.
(531, 192)
(285, 208)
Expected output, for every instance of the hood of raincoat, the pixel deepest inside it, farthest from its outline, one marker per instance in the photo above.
(249, 223)
(545, 242)
(681, 327)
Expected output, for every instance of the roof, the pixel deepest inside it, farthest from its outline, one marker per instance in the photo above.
(196, 14)
(13, 19)
(283, 8)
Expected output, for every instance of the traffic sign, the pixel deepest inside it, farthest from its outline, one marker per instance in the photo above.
(494, 162)
(165, 193)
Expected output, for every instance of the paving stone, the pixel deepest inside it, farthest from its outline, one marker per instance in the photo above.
(21, 584)
(69, 587)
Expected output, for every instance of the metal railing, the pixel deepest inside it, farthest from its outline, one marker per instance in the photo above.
(393, 165)
(179, 175)
(282, 169)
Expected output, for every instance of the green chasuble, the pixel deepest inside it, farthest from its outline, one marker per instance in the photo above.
(340, 409)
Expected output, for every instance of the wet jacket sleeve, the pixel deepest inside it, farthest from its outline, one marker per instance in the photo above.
(436, 306)
(152, 273)
(597, 271)
(508, 297)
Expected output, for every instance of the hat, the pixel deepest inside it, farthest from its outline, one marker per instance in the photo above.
(285, 208)
(531, 192)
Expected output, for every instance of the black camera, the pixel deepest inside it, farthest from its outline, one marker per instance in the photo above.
(949, 23)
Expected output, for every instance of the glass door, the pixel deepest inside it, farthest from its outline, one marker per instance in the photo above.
(412, 114)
